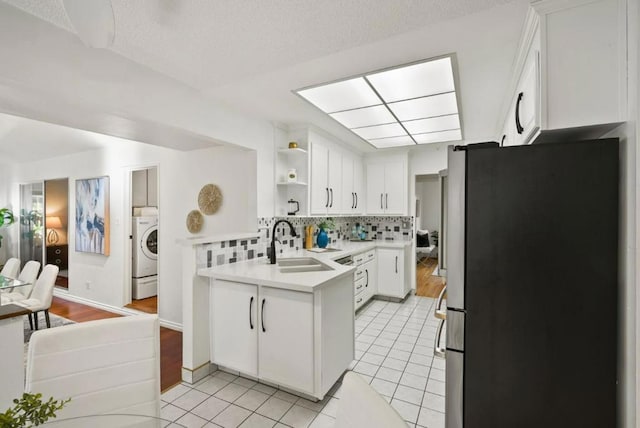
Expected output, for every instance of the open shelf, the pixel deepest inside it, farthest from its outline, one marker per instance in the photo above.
(297, 151)
(291, 183)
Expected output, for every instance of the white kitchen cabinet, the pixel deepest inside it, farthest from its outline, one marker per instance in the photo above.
(570, 67)
(299, 340)
(326, 179)
(234, 326)
(352, 194)
(286, 338)
(365, 277)
(387, 187)
(392, 281)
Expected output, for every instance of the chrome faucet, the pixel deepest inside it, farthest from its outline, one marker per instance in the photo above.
(272, 256)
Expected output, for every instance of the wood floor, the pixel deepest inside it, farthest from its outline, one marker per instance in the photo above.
(148, 305)
(170, 340)
(427, 284)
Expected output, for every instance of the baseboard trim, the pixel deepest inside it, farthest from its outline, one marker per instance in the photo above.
(197, 374)
(121, 311)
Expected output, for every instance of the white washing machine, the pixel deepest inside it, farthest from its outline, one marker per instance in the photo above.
(145, 257)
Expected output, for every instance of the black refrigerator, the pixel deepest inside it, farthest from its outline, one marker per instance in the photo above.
(532, 285)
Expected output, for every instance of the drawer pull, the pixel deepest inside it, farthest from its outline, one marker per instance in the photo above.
(359, 300)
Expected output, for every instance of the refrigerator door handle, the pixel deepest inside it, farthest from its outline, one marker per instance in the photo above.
(439, 351)
(440, 314)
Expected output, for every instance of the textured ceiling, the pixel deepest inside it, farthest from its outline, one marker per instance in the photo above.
(250, 55)
(207, 43)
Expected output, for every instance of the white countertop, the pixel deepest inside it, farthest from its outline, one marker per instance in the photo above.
(259, 271)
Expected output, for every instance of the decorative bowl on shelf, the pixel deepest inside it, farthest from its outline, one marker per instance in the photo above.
(293, 145)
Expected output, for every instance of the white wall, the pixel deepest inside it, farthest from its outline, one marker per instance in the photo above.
(181, 175)
(428, 193)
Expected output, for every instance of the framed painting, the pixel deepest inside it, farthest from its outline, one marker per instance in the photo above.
(92, 215)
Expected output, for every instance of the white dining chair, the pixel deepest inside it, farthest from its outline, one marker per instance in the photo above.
(105, 366)
(29, 274)
(41, 296)
(11, 268)
(361, 406)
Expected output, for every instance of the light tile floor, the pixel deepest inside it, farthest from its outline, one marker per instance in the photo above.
(394, 353)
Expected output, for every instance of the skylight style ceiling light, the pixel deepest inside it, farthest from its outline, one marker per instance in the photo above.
(403, 106)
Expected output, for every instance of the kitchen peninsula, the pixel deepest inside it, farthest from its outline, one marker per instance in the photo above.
(290, 323)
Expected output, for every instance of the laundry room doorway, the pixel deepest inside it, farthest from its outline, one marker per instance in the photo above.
(142, 288)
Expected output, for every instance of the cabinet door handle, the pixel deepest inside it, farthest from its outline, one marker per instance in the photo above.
(381, 196)
(250, 320)
(519, 127)
(327, 204)
(502, 141)
(331, 204)
(386, 200)
(353, 200)
(356, 200)
(262, 316)
(366, 271)
(396, 264)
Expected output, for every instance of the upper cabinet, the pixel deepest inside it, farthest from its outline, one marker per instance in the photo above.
(352, 180)
(570, 69)
(329, 179)
(326, 179)
(387, 182)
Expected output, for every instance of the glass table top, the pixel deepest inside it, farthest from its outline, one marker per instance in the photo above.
(7, 282)
(112, 421)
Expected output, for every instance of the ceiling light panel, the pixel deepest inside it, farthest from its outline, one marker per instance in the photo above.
(418, 80)
(421, 108)
(432, 124)
(339, 96)
(438, 137)
(382, 143)
(380, 131)
(377, 115)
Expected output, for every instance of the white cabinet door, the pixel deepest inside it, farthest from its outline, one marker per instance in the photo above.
(394, 188)
(234, 326)
(319, 179)
(152, 187)
(335, 182)
(375, 188)
(358, 187)
(286, 338)
(348, 191)
(391, 272)
(371, 277)
(527, 101)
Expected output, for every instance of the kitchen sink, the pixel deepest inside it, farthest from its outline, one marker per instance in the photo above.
(301, 264)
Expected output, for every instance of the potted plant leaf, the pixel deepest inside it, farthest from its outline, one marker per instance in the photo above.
(30, 411)
(6, 220)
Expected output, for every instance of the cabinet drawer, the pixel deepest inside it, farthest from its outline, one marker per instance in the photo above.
(359, 273)
(369, 256)
(358, 259)
(358, 286)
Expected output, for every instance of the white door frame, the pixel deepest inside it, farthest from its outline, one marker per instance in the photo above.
(127, 204)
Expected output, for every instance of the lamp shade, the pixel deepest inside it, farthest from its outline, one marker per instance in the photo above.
(53, 222)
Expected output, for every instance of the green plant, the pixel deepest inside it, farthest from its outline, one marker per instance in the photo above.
(6, 220)
(30, 410)
(327, 224)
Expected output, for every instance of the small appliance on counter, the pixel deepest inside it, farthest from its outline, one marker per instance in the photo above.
(293, 207)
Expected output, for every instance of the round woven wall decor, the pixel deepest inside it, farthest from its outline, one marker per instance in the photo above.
(195, 220)
(209, 199)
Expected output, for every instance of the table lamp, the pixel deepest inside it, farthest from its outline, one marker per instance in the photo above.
(53, 223)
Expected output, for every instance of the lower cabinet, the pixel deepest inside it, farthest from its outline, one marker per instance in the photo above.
(234, 326)
(286, 337)
(365, 278)
(392, 265)
(298, 340)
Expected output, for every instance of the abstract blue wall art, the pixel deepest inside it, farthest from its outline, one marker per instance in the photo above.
(92, 215)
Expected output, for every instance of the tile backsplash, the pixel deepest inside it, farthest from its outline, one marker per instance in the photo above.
(377, 228)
